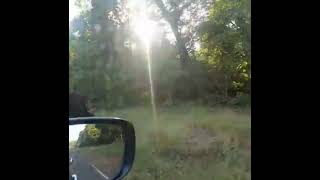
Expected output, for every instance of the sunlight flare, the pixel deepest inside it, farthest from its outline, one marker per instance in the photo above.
(73, 10)
(143, 27)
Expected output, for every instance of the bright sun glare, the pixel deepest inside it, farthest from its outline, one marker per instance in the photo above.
(74, 131)
(73, 10)
(143, 27)
(140, 22)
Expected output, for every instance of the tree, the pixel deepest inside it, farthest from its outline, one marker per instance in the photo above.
(172, 18)
(108, 64)
(89, 136)
(226, 45)
(97, 54)
(108, 134)
(182, 16)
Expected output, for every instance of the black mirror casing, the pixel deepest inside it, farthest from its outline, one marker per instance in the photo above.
(128, 135)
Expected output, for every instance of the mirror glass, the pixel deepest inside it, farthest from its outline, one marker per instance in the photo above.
(95, 151)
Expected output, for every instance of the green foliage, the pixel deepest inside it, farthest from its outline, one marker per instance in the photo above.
(95, 68)
(108, 133)
(104, 67)
(98, 134)
(241, 100)
(89, 136)
(226, 45)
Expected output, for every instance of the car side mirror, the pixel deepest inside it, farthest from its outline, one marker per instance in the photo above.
(100, 148)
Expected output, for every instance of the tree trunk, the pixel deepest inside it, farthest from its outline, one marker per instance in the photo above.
(184, 55)
(173, 21)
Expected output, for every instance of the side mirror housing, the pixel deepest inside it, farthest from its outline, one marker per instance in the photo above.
(97, 142)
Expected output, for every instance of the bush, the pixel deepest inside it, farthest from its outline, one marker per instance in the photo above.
(241, 100)
(98, 135)
(108, 134)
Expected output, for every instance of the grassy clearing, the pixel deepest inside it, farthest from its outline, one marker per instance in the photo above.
(115, 149)
(190, 142)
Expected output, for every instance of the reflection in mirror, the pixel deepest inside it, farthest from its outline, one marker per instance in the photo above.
(95, 151)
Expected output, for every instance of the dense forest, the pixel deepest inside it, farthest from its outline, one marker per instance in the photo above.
(200, 52)
(191, 59)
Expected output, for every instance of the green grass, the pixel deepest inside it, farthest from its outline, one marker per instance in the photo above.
(163, 150)
(115, 149)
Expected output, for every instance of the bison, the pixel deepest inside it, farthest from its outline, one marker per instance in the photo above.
(78, 106)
